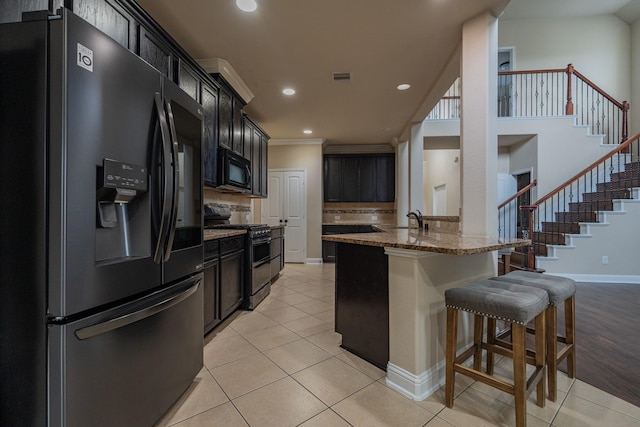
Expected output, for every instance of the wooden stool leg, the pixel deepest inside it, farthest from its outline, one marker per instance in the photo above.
(540, 337)
(570, 323)
(491, 340)
(519, 373)
(552, 351)
(478, 329)
(452, 340)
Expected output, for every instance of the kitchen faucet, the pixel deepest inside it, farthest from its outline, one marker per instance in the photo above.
(418, 216)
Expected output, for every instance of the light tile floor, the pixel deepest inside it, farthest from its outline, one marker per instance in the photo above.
(282, 365)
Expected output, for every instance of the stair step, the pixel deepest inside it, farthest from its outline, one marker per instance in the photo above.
(606, 195)
(604, 205)
(561, 227)
(576, 217)
(540, 249)
(617, 184)
(625, 174)
(549, 238)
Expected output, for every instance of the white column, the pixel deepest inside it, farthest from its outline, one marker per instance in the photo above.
(478, 127)
(402, 190)
(416, 159)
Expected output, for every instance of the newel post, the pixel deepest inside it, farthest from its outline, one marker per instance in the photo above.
(569, 107)
(625, 121)
(531, 254)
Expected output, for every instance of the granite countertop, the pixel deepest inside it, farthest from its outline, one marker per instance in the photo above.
(219, 234)
(276, 226)
(428, 241)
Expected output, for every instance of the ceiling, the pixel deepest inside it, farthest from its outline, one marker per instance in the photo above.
(382, 43)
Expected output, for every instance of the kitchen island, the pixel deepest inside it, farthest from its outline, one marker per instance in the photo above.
(390, 297)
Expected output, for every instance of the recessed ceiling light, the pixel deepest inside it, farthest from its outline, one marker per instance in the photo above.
(247, 5)
(307, 131)
(288, 91)
(403, 86)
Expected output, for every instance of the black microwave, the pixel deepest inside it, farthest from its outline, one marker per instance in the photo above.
(234, 172)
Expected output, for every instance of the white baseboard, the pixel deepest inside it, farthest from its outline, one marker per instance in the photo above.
(601, 278)
(313, 261)
(416, 387)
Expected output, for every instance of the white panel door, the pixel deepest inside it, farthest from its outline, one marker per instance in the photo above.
(286, 205)
(272, 212)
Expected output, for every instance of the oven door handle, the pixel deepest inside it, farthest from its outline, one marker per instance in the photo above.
(261, 241)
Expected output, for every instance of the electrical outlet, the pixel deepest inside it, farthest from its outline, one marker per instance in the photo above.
(437, 224)
(412, 221)
(605, 259)
(374, 217)
(246, 217)
(337, 217)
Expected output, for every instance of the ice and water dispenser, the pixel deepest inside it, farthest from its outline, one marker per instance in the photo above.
(123, 213)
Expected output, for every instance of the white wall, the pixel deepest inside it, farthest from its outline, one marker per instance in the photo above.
(440, 167)
(634, 112)
(557, 153)
(598, 47)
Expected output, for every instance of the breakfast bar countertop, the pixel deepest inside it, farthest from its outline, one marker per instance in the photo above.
(428, 241)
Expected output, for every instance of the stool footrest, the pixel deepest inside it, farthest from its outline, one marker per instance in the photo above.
(564, 352)
(484, 378)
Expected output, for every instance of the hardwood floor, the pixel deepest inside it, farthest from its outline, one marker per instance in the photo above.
(608, 338)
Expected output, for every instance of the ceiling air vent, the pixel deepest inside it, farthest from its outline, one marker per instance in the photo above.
(341, 77)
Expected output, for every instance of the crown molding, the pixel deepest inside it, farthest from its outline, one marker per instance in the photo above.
(222, 67)
(359, 149)
(315, 141)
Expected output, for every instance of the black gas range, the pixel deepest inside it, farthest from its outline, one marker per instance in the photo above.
(257, 265)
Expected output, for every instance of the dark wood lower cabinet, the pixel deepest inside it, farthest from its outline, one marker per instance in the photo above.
(223, 279)
(362, 301)
(211, 294)
(231, 282)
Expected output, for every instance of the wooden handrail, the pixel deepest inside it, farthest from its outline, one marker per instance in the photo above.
(518, 194)
(513, 72)
(586, 170)
(598, 89)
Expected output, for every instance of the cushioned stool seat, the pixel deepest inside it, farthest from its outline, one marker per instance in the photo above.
(515, 304)
(561, 290)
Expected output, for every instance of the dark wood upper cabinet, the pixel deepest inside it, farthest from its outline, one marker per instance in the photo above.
(110, 18)
(156, 52)
(367, 179)
(236, 127)
(332, 179)
(209, 100)
(359, 178)
(225, 113)
(385, 178)
(255, 145)
(230, 122)
(350, 181)
(189, 81)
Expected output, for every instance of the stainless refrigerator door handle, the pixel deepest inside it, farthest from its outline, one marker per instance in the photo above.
(136, 316)
(166, 206)
(176, 183)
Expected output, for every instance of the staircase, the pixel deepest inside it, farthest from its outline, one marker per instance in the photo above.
(591, 210)
(579, 224)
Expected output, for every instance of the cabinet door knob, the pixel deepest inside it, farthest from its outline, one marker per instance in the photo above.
(286, 220)
(280, 221)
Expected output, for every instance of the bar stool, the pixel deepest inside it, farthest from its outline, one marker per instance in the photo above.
(515, 304)
(560, 290)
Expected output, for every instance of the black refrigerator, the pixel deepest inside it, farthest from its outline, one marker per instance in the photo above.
(100, 230)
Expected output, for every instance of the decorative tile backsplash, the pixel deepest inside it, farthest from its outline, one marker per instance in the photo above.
(239, 206)
(449, 224)
(367, 213)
